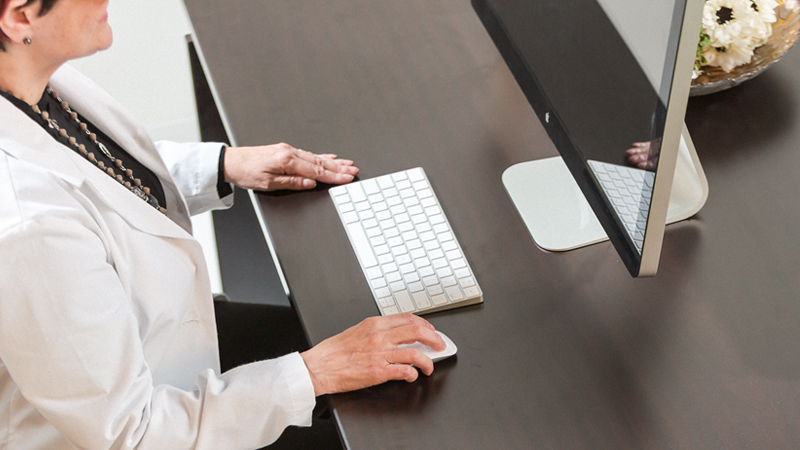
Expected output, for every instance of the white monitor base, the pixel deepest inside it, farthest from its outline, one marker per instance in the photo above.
(558, 216)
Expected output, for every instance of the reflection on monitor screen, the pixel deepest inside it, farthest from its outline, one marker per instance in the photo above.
(609, 80)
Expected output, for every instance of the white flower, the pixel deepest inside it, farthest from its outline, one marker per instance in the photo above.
(765, 9)
(736, 53)
(726, 20)
(735, 28)
(762, 28)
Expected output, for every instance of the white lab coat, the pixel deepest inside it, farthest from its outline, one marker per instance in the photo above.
(107, 332)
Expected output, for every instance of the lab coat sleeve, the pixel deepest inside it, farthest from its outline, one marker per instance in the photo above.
(195, 168)
(72, 344)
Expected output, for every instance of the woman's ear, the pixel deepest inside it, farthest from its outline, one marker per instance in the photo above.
(15, 21)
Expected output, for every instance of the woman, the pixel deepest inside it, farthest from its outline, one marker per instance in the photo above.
(107, 335)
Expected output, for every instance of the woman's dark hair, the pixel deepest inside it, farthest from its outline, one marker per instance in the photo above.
(47, 5)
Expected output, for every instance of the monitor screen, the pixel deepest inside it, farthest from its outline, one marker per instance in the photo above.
(605, 77)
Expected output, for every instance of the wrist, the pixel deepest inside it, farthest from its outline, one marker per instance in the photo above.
(315, 381)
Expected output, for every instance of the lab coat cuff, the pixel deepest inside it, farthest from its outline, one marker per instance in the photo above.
(301, 389)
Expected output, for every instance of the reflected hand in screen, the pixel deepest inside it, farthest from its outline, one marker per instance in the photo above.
(644, 155)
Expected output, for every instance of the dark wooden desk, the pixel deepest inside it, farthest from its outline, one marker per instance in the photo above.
(568, 351)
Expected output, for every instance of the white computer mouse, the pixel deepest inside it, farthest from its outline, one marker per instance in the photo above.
(435, 356)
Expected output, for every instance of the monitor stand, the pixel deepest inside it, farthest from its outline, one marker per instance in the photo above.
(558, 216)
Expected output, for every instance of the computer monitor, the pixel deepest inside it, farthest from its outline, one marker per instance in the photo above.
(603, 76)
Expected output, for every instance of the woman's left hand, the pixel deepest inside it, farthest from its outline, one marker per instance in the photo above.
(281, 166)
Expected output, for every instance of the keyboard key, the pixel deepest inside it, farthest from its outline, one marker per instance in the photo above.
(421, 300)
(454, 294)
(342, 199)
(371, 187)
(397, 176)
(411, 277)
(400, 250)
(472, 292)
(404, 301)
(439, 299)
(361, 245)
(408, 268)
(393, 201)
(350, 217)
(430, 281)
(393, 276)
(373, 272)
(415, 174)
(416, 286)
(435, 254)
(444, 272)
(385, 182)
(436, 289)
(411, 201)
(425, 271)
(391, 310)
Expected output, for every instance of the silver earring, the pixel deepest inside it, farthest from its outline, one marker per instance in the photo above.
(26, 41)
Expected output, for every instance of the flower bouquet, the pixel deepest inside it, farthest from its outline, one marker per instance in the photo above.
(739, 39)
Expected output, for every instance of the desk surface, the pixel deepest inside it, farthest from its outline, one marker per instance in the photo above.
(567, 351)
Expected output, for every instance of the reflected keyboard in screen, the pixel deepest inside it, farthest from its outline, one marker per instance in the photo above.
(404, 243)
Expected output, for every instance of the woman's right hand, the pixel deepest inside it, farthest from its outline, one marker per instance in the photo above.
(367, 354)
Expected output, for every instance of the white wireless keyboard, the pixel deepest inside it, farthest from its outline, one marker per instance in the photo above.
(409, 254)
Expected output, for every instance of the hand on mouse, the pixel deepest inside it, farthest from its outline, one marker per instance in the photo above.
(281, 166)
(367, 354)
